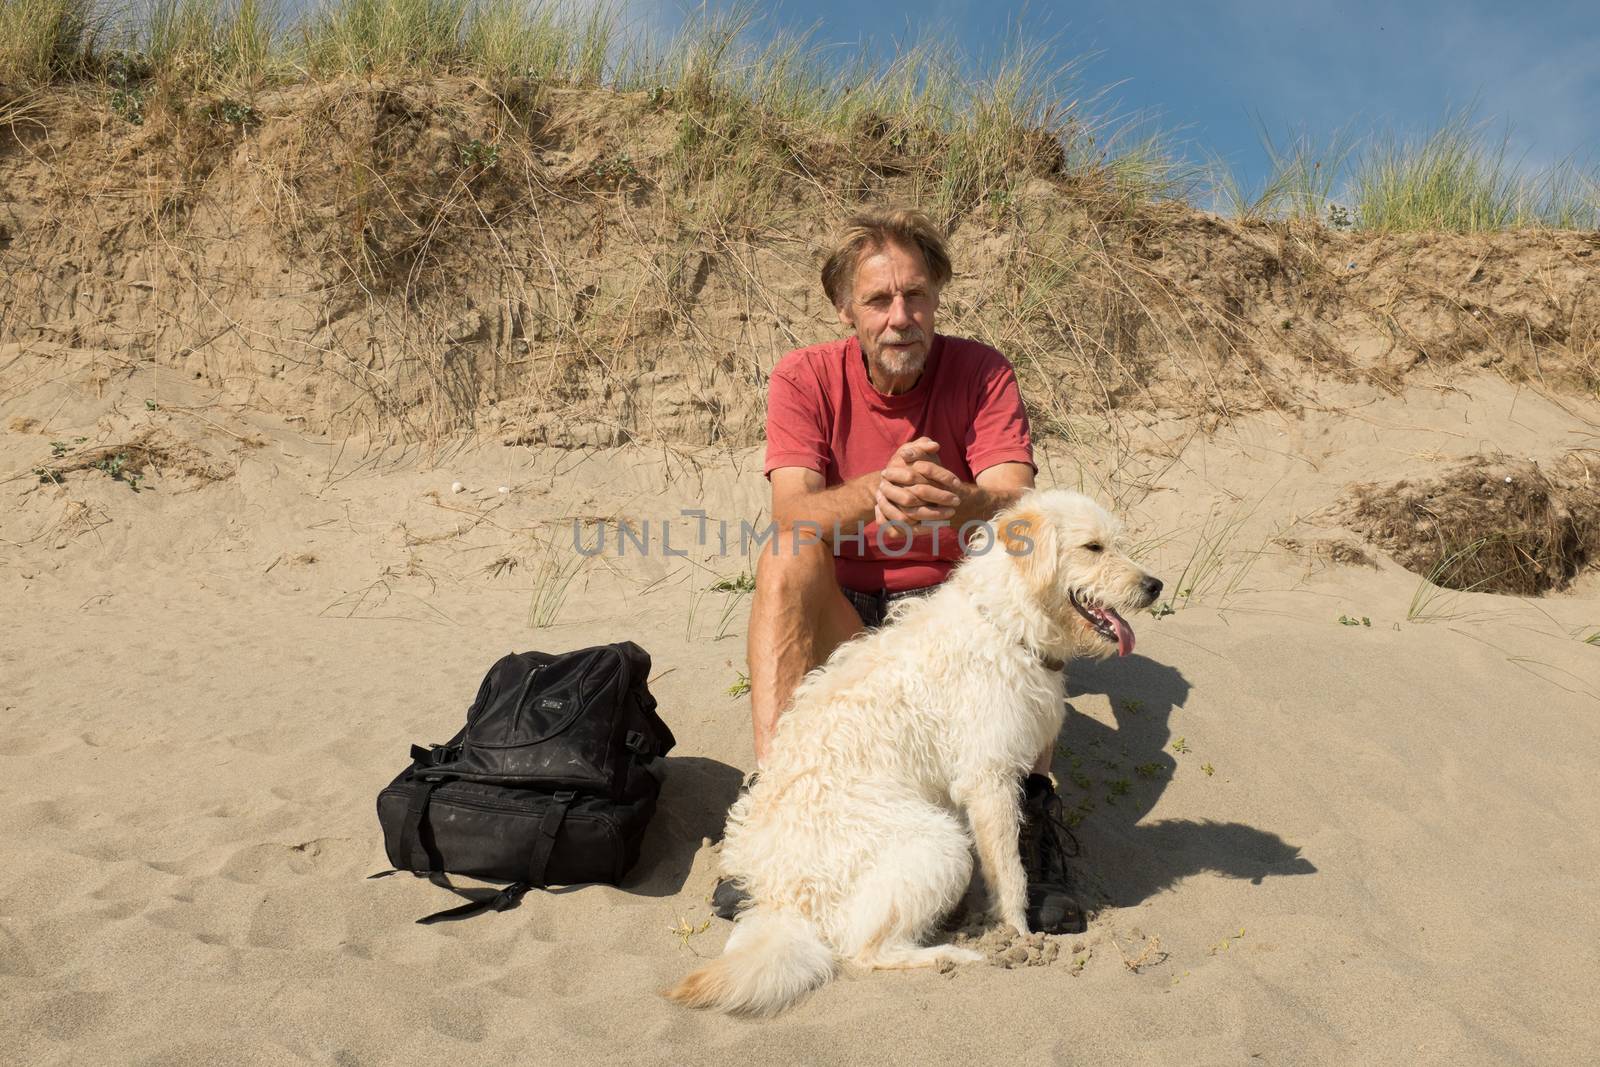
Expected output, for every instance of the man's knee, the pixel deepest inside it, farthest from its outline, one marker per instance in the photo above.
(795, 562)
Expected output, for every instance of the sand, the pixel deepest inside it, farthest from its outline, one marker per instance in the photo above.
(1307, 841)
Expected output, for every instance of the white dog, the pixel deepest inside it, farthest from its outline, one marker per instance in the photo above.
(851, 843)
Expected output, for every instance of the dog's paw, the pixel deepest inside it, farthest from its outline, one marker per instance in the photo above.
(995, 917)
(1018, 924)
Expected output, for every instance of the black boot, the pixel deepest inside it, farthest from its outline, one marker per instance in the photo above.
(727, 897)
(1046, 844)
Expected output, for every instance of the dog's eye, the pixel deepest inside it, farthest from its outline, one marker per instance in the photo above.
(1095, 546)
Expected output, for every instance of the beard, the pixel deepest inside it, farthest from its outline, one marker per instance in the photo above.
(897, 362)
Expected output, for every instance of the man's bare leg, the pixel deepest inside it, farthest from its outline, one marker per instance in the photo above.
(797, 618)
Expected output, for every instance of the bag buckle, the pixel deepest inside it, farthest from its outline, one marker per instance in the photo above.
(637, 742)
(424, 760)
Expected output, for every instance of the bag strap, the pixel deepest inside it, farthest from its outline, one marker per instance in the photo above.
(411, 836)
(545, 844)
(479, 900)
(411, 829)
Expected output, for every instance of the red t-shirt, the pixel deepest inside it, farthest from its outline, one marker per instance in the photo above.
(824, 413)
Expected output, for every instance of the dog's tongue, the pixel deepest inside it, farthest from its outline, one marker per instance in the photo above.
(1124, 632)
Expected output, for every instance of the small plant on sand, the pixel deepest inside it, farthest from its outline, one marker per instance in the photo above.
(1351, 620)
(552, 580)
(740, 686)
(233, 113)
(478, 155)
(743, 582)
(1593, 639)
(1212, 566)
(1437, 593)
(685, 930)
(1180, 746)
(1083, 810)
(1149, 954)
(1133, 707)
(115, 468)
(129, 104)
(730, 612)
(1227, 942)
(125, 69)
(1210, 770)
(740, 586)
(1148, 770)
(614, 170)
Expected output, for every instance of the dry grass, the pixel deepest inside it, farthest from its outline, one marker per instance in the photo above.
(1487, 524)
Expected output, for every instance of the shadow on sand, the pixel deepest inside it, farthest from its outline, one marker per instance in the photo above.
(1125, 862)
(695, 795)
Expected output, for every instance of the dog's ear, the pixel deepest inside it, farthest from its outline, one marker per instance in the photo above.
(1030, 540)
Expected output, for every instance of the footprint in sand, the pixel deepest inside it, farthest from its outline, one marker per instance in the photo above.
(66, 1016)
(214, 922)
(40, 814)
(288, 918)
(275, 862)
(460, 1019)
(14, 959)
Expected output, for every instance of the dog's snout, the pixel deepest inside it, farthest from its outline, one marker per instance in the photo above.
(1152, 589)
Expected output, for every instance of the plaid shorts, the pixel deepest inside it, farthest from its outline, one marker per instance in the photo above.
(872, 607)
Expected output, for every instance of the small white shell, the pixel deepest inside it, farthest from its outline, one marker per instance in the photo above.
(456, 487)
(505, 489)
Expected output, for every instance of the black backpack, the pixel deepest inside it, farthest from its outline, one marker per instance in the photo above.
(547, 783)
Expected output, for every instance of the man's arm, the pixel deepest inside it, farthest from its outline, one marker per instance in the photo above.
(802, 495)
(993, 490)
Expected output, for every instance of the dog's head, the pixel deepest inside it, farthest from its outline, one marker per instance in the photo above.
(1069, 558)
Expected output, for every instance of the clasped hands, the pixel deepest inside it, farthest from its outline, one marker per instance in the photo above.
(915, 490)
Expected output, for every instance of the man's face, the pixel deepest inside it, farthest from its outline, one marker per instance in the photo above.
(891, 307)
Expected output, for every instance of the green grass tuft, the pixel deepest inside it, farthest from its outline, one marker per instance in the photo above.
(41, 40)
(1457, 177)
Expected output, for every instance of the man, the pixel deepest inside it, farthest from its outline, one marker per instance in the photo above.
(880, 447)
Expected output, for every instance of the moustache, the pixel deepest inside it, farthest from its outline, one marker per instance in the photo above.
(911, 338)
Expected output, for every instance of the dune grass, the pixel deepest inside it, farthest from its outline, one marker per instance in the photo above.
(755, 102)
(1301, 181)
(41, 40)
(1458, 177)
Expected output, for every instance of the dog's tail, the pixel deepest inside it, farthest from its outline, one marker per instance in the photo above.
(772, 959)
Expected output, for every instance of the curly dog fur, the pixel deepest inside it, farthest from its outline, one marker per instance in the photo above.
(904, 750)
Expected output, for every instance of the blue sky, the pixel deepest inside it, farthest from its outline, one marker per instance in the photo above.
(1210, 72)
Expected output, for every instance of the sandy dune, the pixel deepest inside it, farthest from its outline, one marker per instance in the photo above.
(1310, 842)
